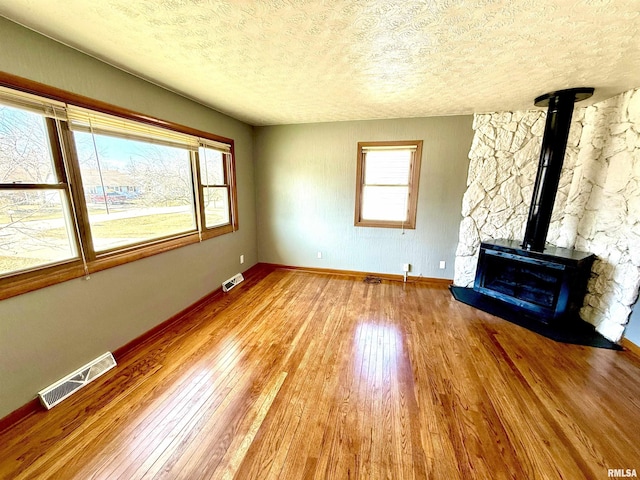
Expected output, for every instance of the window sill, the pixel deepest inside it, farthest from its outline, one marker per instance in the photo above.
(52, 275)
(384, 224)
(217, 231)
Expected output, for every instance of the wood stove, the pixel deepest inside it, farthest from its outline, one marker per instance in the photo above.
(549, 284)
(542, 281)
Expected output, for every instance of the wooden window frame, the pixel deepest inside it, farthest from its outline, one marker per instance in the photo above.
(62, 185)
(229, 179)
(68, 169)
(414, 181)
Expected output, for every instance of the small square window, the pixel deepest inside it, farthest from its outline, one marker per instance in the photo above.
(387, 188)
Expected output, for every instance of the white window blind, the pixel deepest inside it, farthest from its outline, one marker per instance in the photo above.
(89, 121)
(411, 148)
(33, 103)
(388, 167)
(85, 120)
(222, 147)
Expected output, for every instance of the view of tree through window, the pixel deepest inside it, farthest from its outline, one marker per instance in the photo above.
(215, 187)
(34, 215)
(84, 189)
(135, 191)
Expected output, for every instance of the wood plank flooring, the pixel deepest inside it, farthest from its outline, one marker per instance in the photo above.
(297, 375)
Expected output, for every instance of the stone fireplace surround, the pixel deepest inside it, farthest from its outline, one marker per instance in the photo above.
(597, 207)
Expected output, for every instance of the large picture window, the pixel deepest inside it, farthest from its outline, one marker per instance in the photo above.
(387, 184)
(83, 189)
(134, 191)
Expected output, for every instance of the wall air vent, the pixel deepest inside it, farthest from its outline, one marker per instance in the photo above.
(54, 394)
(232, 282)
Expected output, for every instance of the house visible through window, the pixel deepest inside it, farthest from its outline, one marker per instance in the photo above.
(387, 184)
(79, 186)
(134, 191)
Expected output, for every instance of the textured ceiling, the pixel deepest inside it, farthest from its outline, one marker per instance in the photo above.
(288, 61)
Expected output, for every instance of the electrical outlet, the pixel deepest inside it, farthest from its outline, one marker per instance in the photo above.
(319, 254)
(406, 267)
(443, 264)
(241, 259)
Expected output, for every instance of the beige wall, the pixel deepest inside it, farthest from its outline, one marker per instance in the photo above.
(306, 196)
(304, 191)
(50, 332)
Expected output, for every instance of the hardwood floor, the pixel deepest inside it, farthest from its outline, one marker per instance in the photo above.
(298, 375)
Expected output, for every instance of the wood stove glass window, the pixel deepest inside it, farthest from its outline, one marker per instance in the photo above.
(387, 188)
(528, 281)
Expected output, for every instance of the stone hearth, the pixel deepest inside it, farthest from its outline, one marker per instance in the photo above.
(597, 207)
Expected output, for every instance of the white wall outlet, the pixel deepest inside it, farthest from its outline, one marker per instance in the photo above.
(443, 264)
(241, 259)
(319, 254)
(406, 267)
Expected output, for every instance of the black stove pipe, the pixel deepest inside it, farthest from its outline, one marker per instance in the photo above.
(554, 143)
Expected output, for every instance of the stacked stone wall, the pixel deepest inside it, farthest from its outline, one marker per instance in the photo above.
(597, 206)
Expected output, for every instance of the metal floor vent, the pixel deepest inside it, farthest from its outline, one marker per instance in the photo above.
(54, 394)
(232, 282)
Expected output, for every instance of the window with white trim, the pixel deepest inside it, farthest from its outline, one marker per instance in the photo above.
(387, 184)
